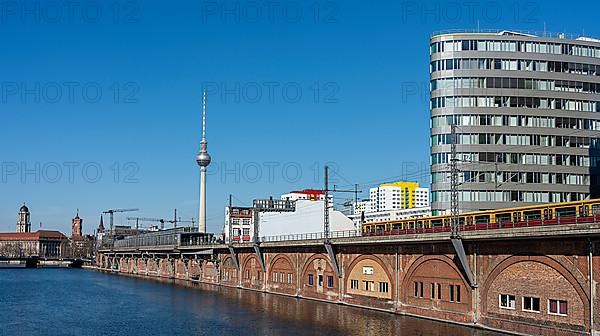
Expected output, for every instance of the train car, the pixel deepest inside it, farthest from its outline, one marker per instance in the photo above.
(586, 211)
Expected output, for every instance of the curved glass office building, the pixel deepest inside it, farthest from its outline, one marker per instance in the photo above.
(527, 116)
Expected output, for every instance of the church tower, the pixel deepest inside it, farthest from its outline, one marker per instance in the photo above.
(24, 220)
(76, 225)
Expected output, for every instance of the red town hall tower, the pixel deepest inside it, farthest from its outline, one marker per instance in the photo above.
(76, 225)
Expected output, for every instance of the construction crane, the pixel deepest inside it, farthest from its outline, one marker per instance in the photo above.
(162, 221)
(112, 212)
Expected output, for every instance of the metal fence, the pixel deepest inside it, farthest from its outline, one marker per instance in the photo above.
(311, 236)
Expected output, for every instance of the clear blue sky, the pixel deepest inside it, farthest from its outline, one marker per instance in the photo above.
(355, 63)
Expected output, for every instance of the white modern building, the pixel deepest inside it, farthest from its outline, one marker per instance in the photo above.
(389, 215)
(392, 201)
(307, 218)
(398, 195)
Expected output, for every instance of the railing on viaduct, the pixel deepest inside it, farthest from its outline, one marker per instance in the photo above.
(187, 236)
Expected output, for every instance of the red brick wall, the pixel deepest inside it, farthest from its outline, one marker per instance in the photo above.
(539, 277)
(437, 270)
(315, 265)
(544, 268)
(252, 274)
(282, 275)
(229, 272)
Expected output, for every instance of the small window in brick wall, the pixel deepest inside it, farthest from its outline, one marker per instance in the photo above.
(507, 301)
(557, 307)
(531, 304)
(329, 281)
(311, 279)
(354, 284)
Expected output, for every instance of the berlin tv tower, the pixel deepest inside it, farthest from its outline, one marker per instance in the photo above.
(203, 160)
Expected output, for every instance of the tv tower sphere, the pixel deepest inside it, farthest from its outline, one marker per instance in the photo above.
(203, 158)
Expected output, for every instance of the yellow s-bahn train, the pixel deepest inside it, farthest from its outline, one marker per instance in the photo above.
(535, 215)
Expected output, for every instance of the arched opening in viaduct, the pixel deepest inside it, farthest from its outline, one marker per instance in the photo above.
(252, 275)
(435, 283)
(535, 291)
(229, 272)
(282, 275)
(319, 279)
(368, 281)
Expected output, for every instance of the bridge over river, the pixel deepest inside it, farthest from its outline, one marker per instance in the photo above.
(538, 280)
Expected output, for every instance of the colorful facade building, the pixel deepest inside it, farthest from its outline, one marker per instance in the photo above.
(241, 220)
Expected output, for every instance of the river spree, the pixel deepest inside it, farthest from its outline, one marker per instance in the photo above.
(83, 302)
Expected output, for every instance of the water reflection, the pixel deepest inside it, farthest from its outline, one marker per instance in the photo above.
(80, 302)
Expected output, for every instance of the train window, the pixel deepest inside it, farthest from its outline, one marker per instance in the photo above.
(436, 222)
(484, 219)
(584, 210)
(566, 212)
(420, 224)
(503, 217)
(596, 209)
(532, 215)
(396, 227)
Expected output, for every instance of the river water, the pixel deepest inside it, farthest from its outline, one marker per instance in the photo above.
(83, 302)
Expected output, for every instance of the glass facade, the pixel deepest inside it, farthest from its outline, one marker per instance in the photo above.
(526, 115)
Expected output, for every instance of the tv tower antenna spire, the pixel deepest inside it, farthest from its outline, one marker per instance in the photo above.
(203, 160)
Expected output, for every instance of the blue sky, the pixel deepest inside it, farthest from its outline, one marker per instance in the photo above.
(116, 90)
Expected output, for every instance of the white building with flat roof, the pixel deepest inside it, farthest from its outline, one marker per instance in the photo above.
(308, 218)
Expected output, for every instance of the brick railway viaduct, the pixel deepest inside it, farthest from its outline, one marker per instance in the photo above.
(531, 280)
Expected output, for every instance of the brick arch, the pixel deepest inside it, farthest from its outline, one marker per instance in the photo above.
(252, 277)
(278, 257)
(229, 272)
(313, 258)
(282, 276)
(375, 258)
(382, 299)
(248, 259)
(546, 261)
(422, 261)
(321, 292)
(209, 270)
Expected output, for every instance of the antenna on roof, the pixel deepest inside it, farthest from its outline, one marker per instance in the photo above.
(544, 28)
